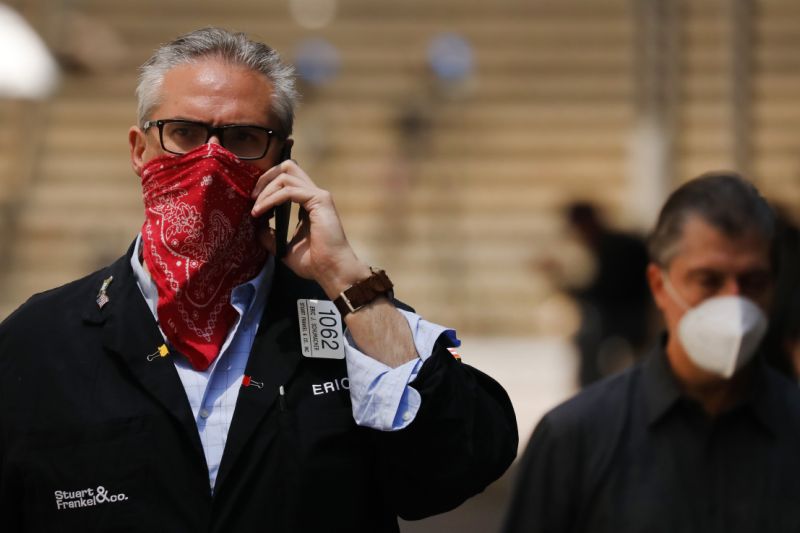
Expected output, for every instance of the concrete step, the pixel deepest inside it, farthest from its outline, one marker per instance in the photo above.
(112, 117)
(345, 169)
(592, 139)
(251, 14)
(500, 224)
(397, 85)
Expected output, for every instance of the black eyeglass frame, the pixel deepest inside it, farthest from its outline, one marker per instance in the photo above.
(210, 130)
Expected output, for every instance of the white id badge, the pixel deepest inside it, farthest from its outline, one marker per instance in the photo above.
(320, 329)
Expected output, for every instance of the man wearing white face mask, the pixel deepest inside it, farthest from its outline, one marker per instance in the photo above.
(702, 435)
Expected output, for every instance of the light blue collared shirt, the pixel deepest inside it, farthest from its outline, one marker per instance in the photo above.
(381, 396)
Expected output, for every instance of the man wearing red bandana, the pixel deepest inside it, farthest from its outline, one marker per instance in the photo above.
(205, 381)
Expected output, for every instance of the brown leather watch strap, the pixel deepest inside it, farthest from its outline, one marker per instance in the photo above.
(363, 292)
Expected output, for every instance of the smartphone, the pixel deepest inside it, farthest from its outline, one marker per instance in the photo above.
(282, 214)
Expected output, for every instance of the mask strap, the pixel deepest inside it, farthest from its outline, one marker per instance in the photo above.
(670, 288)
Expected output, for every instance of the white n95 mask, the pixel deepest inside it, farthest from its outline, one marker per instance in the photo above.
(720, 334)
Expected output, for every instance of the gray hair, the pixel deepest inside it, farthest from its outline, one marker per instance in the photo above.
(234, 48)
(724, 200)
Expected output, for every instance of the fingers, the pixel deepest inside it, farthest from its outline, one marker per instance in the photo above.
(285, 186)
(288, 179)
(278, 193)
(288, 167)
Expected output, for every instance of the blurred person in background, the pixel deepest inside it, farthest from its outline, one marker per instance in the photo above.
(614, 305)
(702, 435)
(782, 342)
(203, 382)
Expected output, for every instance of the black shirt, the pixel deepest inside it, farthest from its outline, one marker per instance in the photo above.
(632, 454)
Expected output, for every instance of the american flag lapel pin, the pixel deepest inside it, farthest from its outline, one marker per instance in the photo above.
(454, 353)
(102, 297)
(248, 381)
(161, 351)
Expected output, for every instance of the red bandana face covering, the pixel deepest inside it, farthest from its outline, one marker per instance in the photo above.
(199, 242)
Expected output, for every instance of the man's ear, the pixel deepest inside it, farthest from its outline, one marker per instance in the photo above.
(655, 278)
(137, 143)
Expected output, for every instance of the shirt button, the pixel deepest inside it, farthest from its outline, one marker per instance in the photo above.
(204, 413)
(406, 416)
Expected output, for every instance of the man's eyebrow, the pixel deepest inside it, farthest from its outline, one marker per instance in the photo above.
(702, 271)
(213, 125)
(758, 271)
(707, 271)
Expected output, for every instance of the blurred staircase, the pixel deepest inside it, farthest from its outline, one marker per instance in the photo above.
(707, 118)
(543, 122)
(457, 215)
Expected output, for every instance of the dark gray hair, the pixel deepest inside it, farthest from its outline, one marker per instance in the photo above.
(724, 200)
(234, 48)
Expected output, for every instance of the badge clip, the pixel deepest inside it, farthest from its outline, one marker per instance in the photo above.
(247, 381)
(102, 297)
(162, 351)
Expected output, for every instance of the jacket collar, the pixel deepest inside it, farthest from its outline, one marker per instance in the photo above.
(130, 333)
(274, 358)
(661, 388)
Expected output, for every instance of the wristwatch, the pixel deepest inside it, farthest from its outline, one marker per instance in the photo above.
(363, 292)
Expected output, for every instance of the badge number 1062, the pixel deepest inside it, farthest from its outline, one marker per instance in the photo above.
(320, 329)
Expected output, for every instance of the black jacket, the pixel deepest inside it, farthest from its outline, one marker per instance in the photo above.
(94, 436)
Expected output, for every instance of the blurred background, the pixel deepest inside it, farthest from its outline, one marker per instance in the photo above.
(458, 137)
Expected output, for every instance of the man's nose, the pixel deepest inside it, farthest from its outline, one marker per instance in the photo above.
(731, 287)
(214, 139)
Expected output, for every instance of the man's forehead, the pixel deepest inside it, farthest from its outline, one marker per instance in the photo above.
(214, 85)
(702, 245)
(211, 72)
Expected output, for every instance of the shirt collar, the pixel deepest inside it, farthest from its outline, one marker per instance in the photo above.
(249, 295)
(765, 401)
(662, 390)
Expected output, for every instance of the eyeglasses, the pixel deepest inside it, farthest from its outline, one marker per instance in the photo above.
(181, 136)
